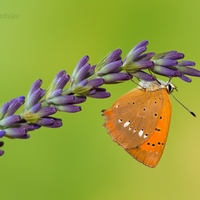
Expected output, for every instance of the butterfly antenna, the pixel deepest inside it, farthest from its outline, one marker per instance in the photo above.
(193, 114)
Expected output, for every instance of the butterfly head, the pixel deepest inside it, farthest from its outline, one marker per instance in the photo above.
(157, 85)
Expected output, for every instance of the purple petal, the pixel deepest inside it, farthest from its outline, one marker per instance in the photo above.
(134, 54)
(35, 108)
(143, 76)
(81, 74)
(79, 99)
(166, 71)
(62, 100)
(91, 71)
(173, 55)
(189, 71)
(3, 109)
(109, 67)
(80, 64)
(34, 98)
(15, 132)
(94, 83)
(14, 105)
(46, 111)
(56, 123)
(10, 120)
(34, 87)
(61, 82)
(2, 133)
(186, 63)
(146, 56)
(100, 94)
(113, 56)
(69, 108)
(141, 44)
(186, 79)
(45, 121)
(32, 127)
(116, 77)
(54, 94)
(166, 62)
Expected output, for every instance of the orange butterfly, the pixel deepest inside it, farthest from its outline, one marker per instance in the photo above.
(139, 121)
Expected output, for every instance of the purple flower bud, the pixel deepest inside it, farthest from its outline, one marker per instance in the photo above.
(14, 105)
(189, 71)
(94, 83)
(31, 127)
(59, 75)
(36, 85)
(186, 63)
(78, 99)
(35, 108)
(61, 81)
(166, 62)
(186, 79)
(143, 76)
(34, 98)
(81, 74)
(15, 132)
(90, 71)
(166, 71)
(7, 121)
(3, 110)
(46, 111)
(110, 58)
(62, 100)
(2, 133)
(54, 94)
(1, 152)
(141, 44)
(68, 108)
(99, 93)
(80, 64)
(45, 121)
(171, 55)
(56, 123)
(113, 56)
(116, 77)
(146, 56)
(110, 68)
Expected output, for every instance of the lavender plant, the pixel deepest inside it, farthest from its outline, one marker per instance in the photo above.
(65, 93)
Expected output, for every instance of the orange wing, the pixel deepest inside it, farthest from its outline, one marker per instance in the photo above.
(139, 122)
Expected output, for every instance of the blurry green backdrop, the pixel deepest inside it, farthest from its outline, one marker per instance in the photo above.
(79, 160)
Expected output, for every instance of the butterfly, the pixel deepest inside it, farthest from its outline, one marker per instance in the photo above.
(139, 121)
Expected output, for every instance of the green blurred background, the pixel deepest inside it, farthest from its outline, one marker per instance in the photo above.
(79, 160)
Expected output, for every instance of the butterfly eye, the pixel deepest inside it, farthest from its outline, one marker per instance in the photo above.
(170, 87)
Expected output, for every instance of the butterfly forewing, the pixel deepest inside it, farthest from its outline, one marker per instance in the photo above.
(139, 119)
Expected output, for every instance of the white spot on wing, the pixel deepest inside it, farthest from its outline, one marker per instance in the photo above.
(129, 128)
(117, 106)
(145, 136)
(120, 120)
(140, 133)
(126, 123)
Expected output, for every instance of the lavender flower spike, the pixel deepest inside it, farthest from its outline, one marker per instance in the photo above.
(110, 67)
(168, 64)
(136, 60)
